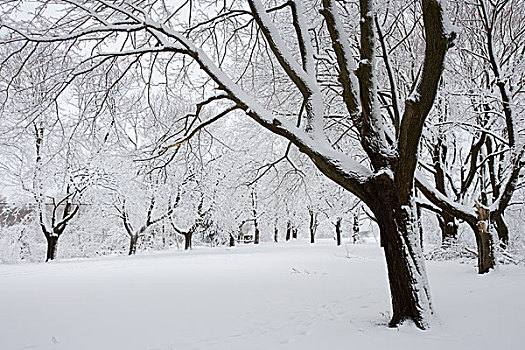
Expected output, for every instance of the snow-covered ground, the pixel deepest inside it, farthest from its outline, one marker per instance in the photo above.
(273, 296)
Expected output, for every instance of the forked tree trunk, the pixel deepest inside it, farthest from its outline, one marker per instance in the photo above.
(187, 240)
(338, 230)
(52, 244)
(133, 244)
(294, 232)
(405, 264)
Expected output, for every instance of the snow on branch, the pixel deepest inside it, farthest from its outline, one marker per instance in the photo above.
(129, 18)
(302, 76)
(439, 37)
(443, 202)
(344, 59)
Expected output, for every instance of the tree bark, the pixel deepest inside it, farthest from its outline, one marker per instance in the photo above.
(294, 232)
(313, 225)
(257, 234)
(275, 234)
(133, 239)
(405, 265)
(484, 244)
(232, 241)
(288, 230)
(484, 241)
(338, 230)
(52, 244)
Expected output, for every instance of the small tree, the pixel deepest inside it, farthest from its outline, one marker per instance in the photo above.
(136, 233)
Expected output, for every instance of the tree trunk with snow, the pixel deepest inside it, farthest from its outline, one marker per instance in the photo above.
(395, 213)
(406, 271)
(355, 229)
(484, 241)
(503, 231)
(288, 230)
(52, 244)
(53, 234)
(56, 225)
(133, 240)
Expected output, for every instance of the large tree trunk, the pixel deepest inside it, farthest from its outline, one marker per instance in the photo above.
(485, 246)
(232, 240)
(405, 264)
(133, 244)
(288, 230)
(338, 230)
(52, 244)
(484, 240)
(294, 232)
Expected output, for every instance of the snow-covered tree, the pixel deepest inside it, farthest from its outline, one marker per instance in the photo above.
(150, 35)
(495, 151)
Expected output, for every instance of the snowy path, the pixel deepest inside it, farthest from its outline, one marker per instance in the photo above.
(284, 296)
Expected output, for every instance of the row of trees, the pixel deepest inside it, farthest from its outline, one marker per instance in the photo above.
(104, 180)
(371, 103)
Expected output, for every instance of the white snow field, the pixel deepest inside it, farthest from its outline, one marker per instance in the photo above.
(274, 296)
